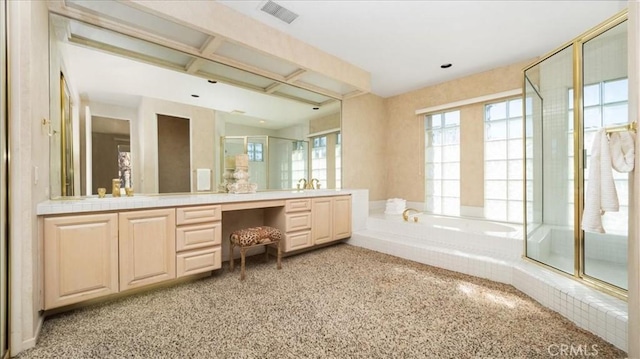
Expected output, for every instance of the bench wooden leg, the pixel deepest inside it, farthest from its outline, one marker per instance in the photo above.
(242, 253)
(279, 255)
(231, 264)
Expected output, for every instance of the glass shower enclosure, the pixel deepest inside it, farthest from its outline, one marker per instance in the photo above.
(274, 163)
(570, 95)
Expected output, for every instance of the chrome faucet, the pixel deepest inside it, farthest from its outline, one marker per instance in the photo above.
(303, 180)
(405, 214)
(317, 185)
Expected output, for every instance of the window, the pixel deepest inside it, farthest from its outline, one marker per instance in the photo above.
(254, 150)
(605, 104)
(503, 161)
(442, 163)
(298, 161)
(319, 160)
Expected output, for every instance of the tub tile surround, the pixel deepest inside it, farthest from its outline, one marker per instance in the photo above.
(496, 256)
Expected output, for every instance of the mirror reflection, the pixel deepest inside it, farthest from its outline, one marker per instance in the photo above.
(163, 121)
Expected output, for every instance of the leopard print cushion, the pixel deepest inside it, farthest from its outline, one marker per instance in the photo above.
(255, 235)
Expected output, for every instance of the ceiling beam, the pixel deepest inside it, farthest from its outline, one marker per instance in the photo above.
(294, 76)
(273, 87)
(318, 89)
(212, 45)
(194, 65)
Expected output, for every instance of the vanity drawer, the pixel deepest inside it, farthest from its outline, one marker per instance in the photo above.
(298, 221)
(198, 261)
(297, 240)
(199, 214)
(198, 235)
(297, 205)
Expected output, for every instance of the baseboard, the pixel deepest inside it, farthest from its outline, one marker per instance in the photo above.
(31, 342)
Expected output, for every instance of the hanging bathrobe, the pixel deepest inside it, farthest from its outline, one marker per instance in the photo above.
(601, 193)
(613, 151)
(622, 146)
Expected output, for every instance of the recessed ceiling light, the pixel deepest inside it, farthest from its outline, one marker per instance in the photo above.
(262, 121)
(212, 81)
(445, 66)
(194, 95)
(316, 108)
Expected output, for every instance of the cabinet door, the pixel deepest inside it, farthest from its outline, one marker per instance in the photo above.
(147, 247)
(321, 215)
(342, 217)
(80, 258)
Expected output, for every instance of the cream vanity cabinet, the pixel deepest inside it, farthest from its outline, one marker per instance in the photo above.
(87, 256)
(198, 239)
(307, 222)
(331, 219)
(147, 243)
(80, 258)
(294, 220)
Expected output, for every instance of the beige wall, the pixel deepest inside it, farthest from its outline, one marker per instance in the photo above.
(364, 145)
(28, 69)
(324, 123)
(405, 132)
(472, 156)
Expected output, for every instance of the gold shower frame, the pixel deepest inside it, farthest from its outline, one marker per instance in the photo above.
(578, 164)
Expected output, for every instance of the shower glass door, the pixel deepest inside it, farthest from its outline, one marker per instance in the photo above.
(549, 167)
(605, 92)
(570, 95)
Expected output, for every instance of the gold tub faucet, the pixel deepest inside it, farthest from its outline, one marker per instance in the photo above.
(317, 183)
(405, 214)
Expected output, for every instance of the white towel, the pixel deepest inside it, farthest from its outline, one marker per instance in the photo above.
(203, 179)
(601, 194)
(622, 149)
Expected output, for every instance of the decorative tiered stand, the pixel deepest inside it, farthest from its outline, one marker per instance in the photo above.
(241, 176)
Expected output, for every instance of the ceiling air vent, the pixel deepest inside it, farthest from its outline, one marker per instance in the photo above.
(278, 11)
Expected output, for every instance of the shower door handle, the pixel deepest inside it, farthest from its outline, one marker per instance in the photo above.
(584, 158)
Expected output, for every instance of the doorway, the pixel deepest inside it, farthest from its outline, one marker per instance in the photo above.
(174, 154)
(110, 141)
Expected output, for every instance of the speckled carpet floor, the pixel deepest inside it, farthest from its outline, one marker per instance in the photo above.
(337, 302)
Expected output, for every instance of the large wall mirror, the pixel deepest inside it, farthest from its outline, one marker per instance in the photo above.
(164, 121)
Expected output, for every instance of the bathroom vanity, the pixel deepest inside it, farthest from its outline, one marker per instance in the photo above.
(95, 247)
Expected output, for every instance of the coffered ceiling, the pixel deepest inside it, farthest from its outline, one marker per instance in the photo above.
(402, 44)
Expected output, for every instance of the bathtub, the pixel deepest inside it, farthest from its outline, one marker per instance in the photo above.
(472, 237)
(494, 251)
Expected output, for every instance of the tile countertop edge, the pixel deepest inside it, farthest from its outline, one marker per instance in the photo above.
(94, 204)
